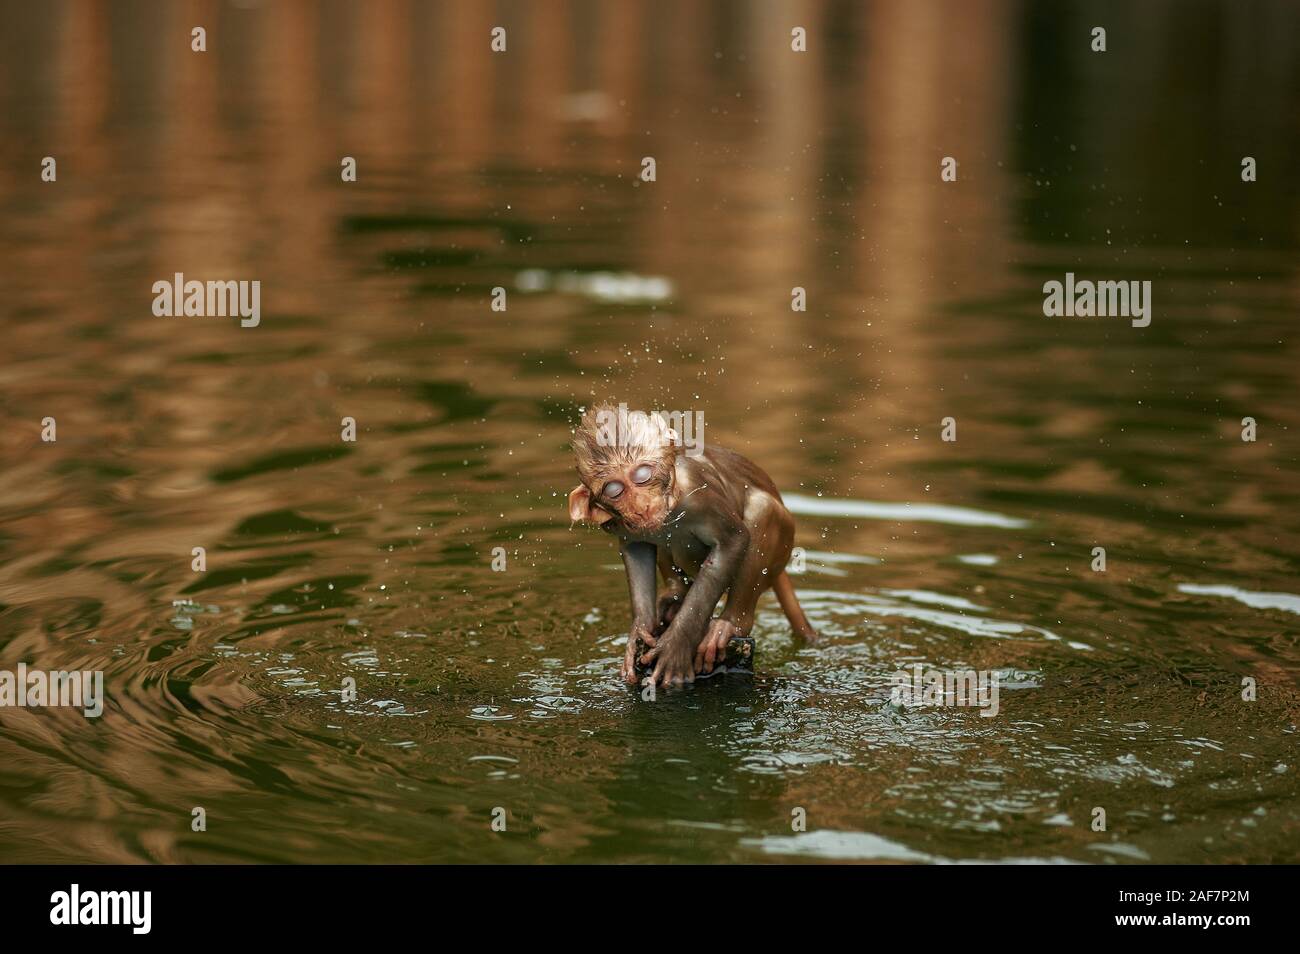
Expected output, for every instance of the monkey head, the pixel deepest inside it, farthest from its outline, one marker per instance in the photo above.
(626, 461)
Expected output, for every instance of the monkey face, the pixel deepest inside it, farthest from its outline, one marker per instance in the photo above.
(627, 465)
(637, 495)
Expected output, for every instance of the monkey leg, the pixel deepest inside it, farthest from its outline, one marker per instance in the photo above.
(672, 594)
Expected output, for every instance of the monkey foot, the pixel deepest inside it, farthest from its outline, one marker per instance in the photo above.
(738, 660)
(713, 648)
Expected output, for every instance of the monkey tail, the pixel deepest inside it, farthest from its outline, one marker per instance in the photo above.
(784, 591)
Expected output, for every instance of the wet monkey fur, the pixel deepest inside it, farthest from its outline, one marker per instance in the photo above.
(711, 524)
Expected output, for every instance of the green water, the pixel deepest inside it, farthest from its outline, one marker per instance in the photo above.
(480, 690)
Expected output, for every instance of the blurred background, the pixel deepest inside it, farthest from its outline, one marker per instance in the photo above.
(775, 169)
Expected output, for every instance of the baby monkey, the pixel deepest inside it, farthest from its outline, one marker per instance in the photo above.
(712, 524)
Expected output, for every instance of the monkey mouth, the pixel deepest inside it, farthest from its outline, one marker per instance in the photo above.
(645, 521)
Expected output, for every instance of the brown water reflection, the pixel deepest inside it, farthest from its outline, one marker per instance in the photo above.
(479, 689)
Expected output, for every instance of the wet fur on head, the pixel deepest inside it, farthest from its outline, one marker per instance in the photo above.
(606, 446)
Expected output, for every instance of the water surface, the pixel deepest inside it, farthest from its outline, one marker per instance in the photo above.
(479, 690)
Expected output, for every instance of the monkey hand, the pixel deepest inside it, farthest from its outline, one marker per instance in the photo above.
(639, 635)
(713, 647)
(672, 659)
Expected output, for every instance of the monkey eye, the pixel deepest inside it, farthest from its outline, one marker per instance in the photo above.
(643, 473)
(612, 489)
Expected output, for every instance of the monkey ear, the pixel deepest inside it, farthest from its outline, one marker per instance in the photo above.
(580, 508)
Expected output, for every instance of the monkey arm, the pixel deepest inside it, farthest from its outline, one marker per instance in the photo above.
(676, 647)
(710, 583)
(639, 560)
